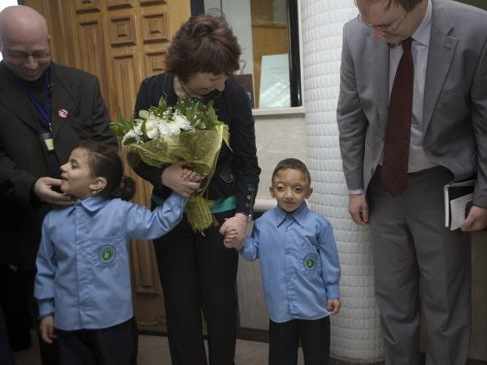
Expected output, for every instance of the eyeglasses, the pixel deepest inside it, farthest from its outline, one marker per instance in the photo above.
(24, 56)
(387, 27)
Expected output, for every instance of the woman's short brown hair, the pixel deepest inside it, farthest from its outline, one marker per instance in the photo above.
(203, 44)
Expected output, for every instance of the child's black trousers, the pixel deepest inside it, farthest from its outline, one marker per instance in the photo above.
(115, 345)
(284, 340)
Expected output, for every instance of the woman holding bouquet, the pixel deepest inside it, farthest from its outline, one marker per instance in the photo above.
(198, 274)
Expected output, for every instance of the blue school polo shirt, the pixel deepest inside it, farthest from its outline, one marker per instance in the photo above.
(299, 263)
(83, 268)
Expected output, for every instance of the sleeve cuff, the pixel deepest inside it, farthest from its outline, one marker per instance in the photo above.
(246, 251)
(46, 307)
(333, 292)
(356, 192)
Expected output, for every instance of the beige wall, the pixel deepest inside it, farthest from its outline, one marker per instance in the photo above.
(278, 136)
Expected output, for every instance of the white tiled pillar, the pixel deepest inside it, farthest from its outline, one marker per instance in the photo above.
(356, 332)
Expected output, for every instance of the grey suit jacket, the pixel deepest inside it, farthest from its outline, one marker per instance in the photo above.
(455, 101)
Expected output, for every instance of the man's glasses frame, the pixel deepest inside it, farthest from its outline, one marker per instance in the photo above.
(21, 56)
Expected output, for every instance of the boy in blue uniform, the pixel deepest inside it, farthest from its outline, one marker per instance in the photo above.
(300, 268)
(83, 274)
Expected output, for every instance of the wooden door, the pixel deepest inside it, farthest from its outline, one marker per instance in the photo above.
(121, 42)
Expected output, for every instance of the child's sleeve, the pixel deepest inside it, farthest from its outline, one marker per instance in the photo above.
(329, 260)
(44, 288)
(144, 224)
(250, 249)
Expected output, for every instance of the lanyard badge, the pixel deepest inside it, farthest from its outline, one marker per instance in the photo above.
(48, 140)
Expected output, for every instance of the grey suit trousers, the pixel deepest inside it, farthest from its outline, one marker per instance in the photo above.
(422, 270)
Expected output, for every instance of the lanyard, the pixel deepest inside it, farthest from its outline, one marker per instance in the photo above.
(44, 109)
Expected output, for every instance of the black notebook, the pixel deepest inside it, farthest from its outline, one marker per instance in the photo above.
(458, 201)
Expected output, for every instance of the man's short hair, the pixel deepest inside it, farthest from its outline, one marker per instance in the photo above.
(407, 5)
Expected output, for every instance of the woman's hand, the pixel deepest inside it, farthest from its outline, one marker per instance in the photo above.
(234, 229)
(180, 179)
(231, 239)
(47, 329)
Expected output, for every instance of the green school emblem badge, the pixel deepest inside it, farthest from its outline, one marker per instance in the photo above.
(106, 254)
(310, 261)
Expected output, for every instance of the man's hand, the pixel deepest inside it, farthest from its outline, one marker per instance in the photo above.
(234, 230)
(358, 208)
(333, 306)
(47, 329)
(476, 220)
(43, 189)
(180, 180)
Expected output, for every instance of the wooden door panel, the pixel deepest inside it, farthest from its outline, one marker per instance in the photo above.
(111, 4)
(155, 61)
(150, 2)
(122, 29)
(126, 77)
(154, 26)
(87, 5)
(90, 51)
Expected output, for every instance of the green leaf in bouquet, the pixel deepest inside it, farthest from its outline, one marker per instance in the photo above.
(162, 103)
(198, 213)
(121, 126)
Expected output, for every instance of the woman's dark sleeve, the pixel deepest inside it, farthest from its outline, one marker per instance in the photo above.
(242, 141)
(146, 98)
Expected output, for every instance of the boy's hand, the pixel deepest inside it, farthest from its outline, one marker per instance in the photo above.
(47, 329)
(333, 306)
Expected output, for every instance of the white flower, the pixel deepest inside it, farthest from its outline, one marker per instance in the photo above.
(144, 114)
(152, 128)
(173, 129)
(181, 122)
(164, 130)
(135, 133)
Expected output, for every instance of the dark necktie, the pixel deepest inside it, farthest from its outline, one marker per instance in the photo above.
(398, 131)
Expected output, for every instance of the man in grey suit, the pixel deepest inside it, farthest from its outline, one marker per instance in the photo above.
(412, 116)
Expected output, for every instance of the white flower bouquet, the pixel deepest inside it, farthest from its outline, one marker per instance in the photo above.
(188, 132)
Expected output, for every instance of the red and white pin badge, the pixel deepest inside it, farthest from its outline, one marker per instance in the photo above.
(63, 113)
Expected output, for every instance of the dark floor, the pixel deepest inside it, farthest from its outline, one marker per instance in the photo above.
(153, 350)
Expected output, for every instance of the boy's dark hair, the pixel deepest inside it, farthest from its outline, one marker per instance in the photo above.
(203, 44)
(292, 163)
(104, 161)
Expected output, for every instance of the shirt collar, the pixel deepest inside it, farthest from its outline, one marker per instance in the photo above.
(423, 32)
(91, 204)
(299, 215)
